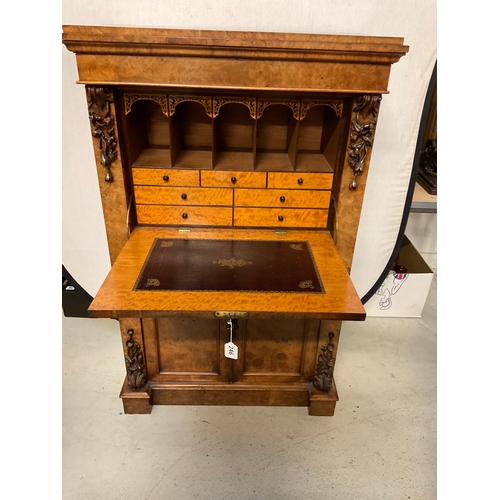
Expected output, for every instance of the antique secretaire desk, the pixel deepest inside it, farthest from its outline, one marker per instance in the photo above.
(232, 169)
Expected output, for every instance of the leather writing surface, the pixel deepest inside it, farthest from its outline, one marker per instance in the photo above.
(229, 265)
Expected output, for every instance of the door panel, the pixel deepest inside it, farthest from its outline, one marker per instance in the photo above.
(186, 349)
(278, 350)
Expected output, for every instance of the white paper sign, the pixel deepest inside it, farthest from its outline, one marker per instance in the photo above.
(231, 350)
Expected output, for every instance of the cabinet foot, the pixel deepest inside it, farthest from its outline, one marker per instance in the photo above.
(136, 402)
(322, 404)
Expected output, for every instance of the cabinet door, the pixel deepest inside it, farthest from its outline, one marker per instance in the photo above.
(269, 351)
(183, 349)
(276, 351)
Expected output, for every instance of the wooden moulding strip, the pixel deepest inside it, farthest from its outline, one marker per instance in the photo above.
(229, 394)
(196, 43)
(229, 60)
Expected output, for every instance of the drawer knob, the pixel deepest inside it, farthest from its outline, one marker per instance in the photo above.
(300, 181)
(184, 216)
(282, 199)
(280, 218)
(166, 178)
(233, 180)
(184, 196)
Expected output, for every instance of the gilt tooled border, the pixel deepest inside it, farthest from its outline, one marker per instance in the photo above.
(315, 267)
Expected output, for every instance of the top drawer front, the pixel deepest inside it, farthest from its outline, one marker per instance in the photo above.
(166, 177)
(299, 180)
(218, 178)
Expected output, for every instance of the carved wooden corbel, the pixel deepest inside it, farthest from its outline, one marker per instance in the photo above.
(323, 376)
(103, 125)
(134, 360)
(362, 132)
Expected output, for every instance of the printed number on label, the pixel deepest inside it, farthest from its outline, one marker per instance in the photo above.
(231, 350)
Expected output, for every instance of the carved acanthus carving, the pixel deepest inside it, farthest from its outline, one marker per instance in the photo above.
(293, 104)
(102, 124)
(362, 133)
(307, 104)
(250, 103)
(129, 99)
(205, 101)
(323, 377)
(136, 368)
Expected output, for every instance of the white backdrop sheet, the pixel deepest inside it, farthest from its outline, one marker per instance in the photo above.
(84, 251)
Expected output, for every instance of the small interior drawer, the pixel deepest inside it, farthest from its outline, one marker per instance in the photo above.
(155, 195)
(290, 198)
(199, 216)
(300, 180)
(166, 177)
(280, 217)
(224, 178)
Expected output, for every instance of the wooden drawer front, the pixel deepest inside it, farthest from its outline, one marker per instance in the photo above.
(166, 176)
(281, 198)
(202, 216)
(269, 217)
(299, 180)
(220, 178)
(150, 195)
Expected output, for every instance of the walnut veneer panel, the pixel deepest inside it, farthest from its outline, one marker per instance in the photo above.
(232, 73)
(114, 195)
(273, 346)
(349, 199)
(116, 297)
(188, 346)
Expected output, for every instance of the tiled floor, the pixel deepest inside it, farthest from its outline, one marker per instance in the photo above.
(381, 443)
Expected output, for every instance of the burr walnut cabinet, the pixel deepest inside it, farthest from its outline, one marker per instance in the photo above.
(232, 168)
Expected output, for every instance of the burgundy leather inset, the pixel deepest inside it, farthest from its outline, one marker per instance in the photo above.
(229, 265)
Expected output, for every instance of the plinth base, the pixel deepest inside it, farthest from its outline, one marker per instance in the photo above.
(322, 404)
(136, 402)
(141, 402)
